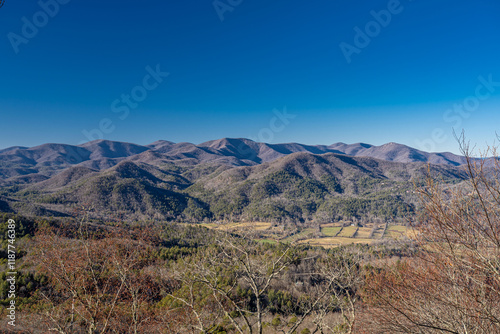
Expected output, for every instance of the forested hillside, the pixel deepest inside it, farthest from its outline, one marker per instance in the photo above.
(299, 187)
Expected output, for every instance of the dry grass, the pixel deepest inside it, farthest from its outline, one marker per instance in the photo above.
(398, 228)
(412, 233)
(397, 231)
(302, 234)
(363, 233)
(267, 241)
(378, 232)
(257, 226)
(335, 242)
(347, 232)
(330, 231)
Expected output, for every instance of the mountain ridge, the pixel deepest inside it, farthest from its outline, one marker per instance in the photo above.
(221, 179)
(50, 159)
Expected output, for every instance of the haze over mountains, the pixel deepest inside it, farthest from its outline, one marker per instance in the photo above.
(218, 179)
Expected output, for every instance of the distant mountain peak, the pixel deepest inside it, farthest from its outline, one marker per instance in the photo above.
(160, 179)
(50, 159)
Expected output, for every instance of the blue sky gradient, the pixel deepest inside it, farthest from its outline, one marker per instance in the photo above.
(227, 76)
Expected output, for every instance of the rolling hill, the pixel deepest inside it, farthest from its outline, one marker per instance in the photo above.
(51, 159)
(220, 179)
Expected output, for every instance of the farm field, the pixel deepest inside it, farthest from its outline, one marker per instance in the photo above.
(258, 226)
(335, 242)
(347, 232)
(267, 241)
(364, 232)
(334, 234)
(396, 232)
(300, 235)
(330, 231)
(378, 232)
(362, 236)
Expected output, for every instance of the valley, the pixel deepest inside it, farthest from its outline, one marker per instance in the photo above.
(329, 235)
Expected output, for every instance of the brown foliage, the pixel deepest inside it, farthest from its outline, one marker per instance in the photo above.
(453, 286)
(97, 283)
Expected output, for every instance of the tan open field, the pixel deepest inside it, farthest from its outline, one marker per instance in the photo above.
(258, 226)
(299, 235)
(412, 233)
(330, 231)
(267, 241)
(363, 232)
(397, 231)
(378, 232)
(335, 242)
(347, 231)
(338, 224)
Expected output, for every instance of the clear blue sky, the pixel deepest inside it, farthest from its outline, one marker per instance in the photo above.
(227, 76)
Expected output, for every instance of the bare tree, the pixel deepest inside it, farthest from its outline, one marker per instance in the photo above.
(236, 262)
(454, 284)
(233, 261)
(96, 280)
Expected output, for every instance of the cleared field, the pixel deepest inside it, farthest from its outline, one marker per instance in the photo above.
(258, 226)
(396, 231)
(398, 228)
(330, 231)
(363, 233)
(268, 234)
(211, 225)
(378, 232)
(338, 224)
(297, 236)
(347, 232)
(335, 242)
(267, 241)
(412, 233)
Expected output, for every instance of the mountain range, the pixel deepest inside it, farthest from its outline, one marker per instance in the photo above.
(49, 159)
(217, 179)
